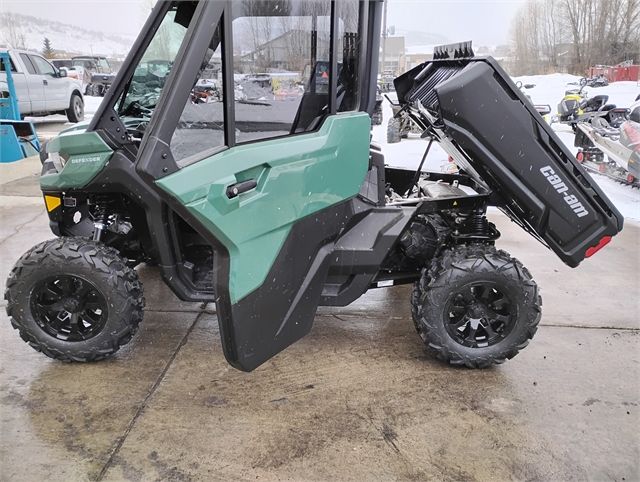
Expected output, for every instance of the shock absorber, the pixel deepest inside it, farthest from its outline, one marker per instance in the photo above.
(100, 215)
(479, 225)
(475, 227)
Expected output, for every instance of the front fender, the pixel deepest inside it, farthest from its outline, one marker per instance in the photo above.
(84, 155)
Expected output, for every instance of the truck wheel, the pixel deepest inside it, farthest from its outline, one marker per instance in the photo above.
(75, 112)
(393, 131)
(478, 306)
(74, 299)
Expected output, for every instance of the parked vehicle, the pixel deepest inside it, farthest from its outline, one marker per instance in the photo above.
(99, 74)
(576, 106)
(597, 81)
(401, 123)
(612, 150)
(272, 210)
(73, 71)
(376, 117)
(543, 109)
(18, 137)
(42, 89)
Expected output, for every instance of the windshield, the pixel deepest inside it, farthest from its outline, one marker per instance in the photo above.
(62, 63)
(100, 65)
(103, 65)
(143, 91)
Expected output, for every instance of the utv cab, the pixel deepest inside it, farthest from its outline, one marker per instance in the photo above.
(272, 208)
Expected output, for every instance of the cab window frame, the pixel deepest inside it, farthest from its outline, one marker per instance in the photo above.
(152, 155)
(36, 59)
(26, 60)
(229, 66)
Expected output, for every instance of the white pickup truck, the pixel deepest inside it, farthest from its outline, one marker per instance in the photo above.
(41, 88)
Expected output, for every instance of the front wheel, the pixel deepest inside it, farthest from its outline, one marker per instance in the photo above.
(477, 307)
(74, 299)
(75, 112)
(393, 131)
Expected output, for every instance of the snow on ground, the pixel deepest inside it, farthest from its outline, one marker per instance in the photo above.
(91, 105)
(549, 89)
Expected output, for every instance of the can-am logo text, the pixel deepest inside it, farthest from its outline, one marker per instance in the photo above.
(562, 189)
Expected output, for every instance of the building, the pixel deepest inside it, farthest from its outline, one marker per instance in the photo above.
(394, 51)
(286, 53)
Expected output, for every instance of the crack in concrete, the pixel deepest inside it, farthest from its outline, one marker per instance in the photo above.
(146, 400)
(199, 311)
(620, 328)
(19, 227)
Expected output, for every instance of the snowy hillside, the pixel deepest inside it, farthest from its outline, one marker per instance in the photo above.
(63, 37)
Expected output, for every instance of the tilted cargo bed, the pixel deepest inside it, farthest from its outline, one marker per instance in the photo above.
(494, 133)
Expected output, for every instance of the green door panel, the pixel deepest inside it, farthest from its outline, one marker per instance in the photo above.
(85, 153)
(297, 176)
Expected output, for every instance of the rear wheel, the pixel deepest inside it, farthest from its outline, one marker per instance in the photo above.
(476, 306)
(74, 299)
(75, 112)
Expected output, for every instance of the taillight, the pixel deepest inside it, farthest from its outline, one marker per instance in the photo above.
(580, 156)
(594, 249)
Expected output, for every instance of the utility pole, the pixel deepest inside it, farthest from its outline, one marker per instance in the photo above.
(384, 38)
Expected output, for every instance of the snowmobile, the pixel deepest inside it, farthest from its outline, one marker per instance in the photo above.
(611, 151)
(543, 109)
(576, 107)
(597, 81)
(270, 211)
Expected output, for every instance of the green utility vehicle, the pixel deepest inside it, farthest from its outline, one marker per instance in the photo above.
(273, 207)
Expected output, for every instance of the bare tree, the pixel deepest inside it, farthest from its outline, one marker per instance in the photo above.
(581, 33)
(11, 31)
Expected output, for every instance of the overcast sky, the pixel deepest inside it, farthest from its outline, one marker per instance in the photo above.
(484, 22)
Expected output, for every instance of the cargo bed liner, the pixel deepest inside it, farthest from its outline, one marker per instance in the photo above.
(495, 135)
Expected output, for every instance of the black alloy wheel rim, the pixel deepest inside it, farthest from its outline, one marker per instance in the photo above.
(69, 308)
(479, 315)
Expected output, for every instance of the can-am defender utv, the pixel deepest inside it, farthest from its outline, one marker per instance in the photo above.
(272, 208)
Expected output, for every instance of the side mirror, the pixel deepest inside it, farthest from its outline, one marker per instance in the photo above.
(62, 73)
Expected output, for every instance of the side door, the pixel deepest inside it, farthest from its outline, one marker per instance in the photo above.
(29, 87)
(267, 179)
(56, 88)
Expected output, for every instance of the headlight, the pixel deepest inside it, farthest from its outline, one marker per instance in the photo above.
(57, 160)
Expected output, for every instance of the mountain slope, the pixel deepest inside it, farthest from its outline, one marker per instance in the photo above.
(29, 32)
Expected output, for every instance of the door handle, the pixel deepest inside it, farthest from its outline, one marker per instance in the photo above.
(44, 81)
(234, 190)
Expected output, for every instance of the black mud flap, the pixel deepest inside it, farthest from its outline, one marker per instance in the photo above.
(495, 134)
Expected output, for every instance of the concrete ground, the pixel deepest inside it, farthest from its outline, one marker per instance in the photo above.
(357, 399)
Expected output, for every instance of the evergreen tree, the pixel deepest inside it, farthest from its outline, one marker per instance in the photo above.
(47, 50)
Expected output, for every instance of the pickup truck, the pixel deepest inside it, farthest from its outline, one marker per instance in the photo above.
(42, 89)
